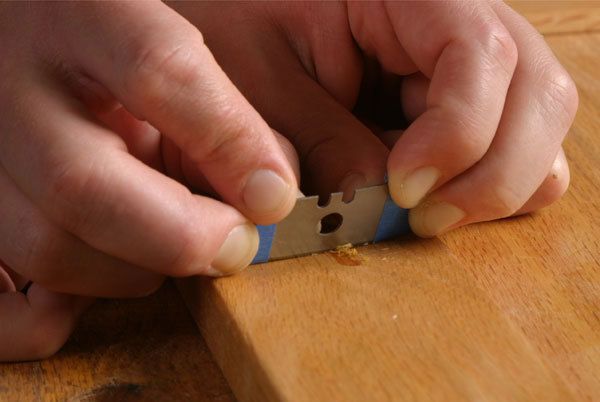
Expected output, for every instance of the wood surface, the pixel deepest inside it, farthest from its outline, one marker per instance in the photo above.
(501, 311)
(560, 17)
(124, 350)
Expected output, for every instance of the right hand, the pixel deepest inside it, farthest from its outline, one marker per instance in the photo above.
(105, 110)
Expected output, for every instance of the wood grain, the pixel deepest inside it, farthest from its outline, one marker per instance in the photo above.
(124, 350)
(498, 311)
(543, 271)
(560, 17)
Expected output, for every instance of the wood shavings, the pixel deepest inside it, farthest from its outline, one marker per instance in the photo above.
(347, 254)
(346, 249)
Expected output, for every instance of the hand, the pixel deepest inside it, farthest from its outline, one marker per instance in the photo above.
(102, 107)
(487, 103)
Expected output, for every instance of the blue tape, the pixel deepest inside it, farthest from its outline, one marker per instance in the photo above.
(393, 222)
(266, 234)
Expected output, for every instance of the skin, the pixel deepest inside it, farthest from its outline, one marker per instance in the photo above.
(115, 111)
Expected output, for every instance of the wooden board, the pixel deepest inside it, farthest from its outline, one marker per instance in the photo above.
(124, 350)
(498, 311)
(560, 17)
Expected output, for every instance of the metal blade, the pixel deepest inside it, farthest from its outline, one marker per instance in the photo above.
(311, 228)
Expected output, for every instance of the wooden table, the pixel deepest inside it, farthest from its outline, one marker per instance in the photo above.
(500, 311)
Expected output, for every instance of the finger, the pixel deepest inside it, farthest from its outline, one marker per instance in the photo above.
(191, 174)
(143, 141)
(370, 27)
(290, 154)
(337, 152)
(55, 259)
(36, 325)
(414, 95)
(157, 66)
(540, 107)
(553, 187)
(414, 103)
(161, 153)
(6, 282)
(84, 181)
(470, 61)
(12, 280)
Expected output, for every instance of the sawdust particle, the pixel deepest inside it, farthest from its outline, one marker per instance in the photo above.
(347, 250)
(347, 254)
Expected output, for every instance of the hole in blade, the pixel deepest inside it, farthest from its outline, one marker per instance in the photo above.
(330, 223)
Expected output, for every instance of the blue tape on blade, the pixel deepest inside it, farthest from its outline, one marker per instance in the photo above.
(266, 234)
(393, 222)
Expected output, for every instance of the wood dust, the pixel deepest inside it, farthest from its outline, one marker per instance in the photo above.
(347, 254)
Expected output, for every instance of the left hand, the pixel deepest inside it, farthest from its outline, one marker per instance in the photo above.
(487, 102)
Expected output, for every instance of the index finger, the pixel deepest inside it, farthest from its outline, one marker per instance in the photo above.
(157, 65)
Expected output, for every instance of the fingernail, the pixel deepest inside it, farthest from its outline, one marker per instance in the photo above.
(238, 250)
(408, 190)
(430, 219)
(350, 184)
(266, 191)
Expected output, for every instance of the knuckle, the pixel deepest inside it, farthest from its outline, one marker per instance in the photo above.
(75, 188)
(160, 72)
(468, 143)
(228, 132)
(497, 45)
(559, 95)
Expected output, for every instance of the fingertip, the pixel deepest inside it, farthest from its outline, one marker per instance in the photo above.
(352, 182)
(431, 218)
(237, 251)
(555, 185)
(268, 197)
(561, 175)
(408, 189)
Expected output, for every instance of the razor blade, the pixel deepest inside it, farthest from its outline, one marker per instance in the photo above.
(310, 228)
